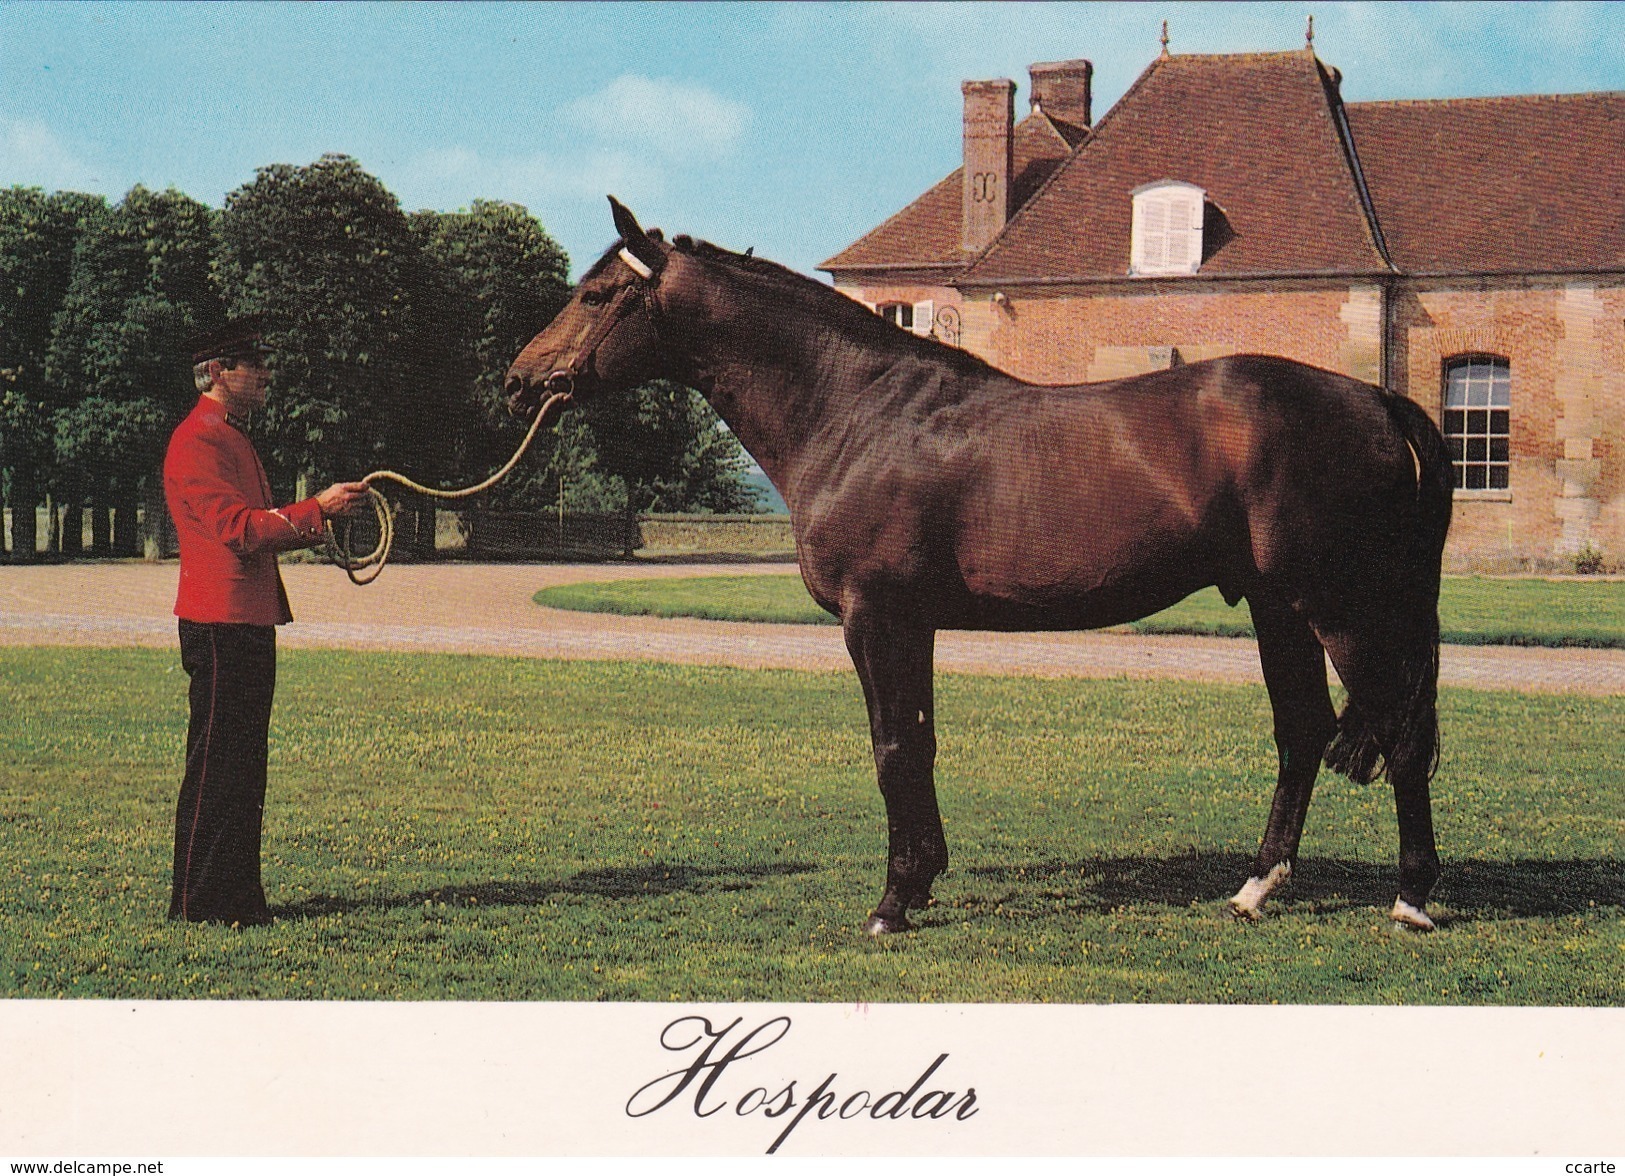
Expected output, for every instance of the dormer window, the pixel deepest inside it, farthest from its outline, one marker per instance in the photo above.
(911, 316)
(1167, 230)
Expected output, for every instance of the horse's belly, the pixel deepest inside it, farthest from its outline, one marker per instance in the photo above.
(1116, 603)
(1072, 577)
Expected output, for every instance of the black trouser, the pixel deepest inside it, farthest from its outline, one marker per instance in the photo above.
(222, 802)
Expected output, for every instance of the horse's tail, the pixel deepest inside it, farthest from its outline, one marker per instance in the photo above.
(1405, 734)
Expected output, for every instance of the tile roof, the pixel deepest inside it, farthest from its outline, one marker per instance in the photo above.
(1257, 132)
(1498, 185)
(1463, 186)
(927, 232)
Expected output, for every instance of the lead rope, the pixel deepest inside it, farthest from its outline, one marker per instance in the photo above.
(338, 550)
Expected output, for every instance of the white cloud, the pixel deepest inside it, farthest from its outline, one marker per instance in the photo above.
(673, 118)
(629, 137)
(634, 138)
(452, 176)
(33, 156)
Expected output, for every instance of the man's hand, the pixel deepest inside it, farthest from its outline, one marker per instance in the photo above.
(342, 498)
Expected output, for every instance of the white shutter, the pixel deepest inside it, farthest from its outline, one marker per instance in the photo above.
(925, 314)
(1167, 229)
(1154, 235)
(1184, 233)
(1190, 211)
(1178, 239)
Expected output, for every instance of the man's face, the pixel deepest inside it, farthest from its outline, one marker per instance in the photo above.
(243, 384)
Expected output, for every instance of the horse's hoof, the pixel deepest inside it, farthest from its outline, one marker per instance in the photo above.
(1243, 913)
(1413, 917)
(879, 925)
(1248, 902)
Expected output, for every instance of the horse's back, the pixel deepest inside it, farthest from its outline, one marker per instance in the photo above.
(1081, 488)
(1026, 506)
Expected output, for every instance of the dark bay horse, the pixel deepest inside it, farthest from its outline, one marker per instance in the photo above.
(928, 490)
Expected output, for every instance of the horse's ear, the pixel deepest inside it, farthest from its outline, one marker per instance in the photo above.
(636, 241)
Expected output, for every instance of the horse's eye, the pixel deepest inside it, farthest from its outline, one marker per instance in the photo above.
(594, 298)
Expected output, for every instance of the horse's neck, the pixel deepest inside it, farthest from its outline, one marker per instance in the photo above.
(778, 383)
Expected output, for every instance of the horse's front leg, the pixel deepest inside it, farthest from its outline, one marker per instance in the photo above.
(893, 660)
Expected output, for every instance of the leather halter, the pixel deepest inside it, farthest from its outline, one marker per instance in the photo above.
(562, 378)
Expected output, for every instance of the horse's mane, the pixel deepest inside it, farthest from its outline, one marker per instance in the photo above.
(819, 301)
(817, 298)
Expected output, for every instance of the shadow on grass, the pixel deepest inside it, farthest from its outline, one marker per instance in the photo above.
(615, 882)
(1468, 891)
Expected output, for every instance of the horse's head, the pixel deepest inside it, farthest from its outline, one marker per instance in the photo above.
(605, 337)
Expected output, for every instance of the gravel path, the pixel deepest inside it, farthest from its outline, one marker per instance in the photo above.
(487, 609)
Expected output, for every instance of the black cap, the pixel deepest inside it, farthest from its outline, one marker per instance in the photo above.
(239, 338)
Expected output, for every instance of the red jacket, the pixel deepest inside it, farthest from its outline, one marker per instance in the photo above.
(229, 534)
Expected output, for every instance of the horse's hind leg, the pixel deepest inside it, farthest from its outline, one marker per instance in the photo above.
(893, 661)
(1391, 671)
(1295, 672)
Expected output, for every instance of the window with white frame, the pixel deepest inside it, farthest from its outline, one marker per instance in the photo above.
(1167, 228)
(1478, 420)
(911, 316)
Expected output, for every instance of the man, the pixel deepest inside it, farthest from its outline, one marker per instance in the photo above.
(230, 600)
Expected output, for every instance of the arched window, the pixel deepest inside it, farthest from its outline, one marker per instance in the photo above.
(1167, 228)
(1478, 420)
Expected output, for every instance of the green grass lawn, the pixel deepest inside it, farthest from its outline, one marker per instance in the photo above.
(1472, 611)
(482, 828)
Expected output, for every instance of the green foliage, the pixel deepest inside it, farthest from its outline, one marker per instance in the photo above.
(508, 277)
(392, 336)
(444, 827)
(326, 253)
(1588, 561)
(118, 359)
(38, 233)
(573, 474)
(671, 451)
(1557, 613)
(494, 278)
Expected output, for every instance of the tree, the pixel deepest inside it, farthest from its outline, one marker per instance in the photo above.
(37, 237)
(118, 359)
(671, 451)
(326, 253)
(493, 278)
(659, 448)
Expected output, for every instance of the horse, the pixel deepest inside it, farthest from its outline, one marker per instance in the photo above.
(929, 490)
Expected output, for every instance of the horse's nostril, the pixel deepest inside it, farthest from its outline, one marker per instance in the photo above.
(514, 386)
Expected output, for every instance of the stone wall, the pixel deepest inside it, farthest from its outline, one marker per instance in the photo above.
(1563, 344)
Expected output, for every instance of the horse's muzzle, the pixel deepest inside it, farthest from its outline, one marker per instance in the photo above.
(524, 397)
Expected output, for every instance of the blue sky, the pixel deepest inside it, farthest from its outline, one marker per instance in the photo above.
(793, 128)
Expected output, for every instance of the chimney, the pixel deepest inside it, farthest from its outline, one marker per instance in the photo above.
(1061, 90)
(990, 115)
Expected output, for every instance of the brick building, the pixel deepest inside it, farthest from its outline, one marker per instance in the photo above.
(1468, 253)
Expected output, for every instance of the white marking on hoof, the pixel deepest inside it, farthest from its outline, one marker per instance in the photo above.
(878, 927)
(1407, 915)
(1249, 900)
